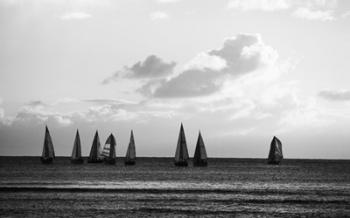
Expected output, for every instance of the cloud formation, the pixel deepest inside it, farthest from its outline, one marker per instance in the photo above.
(159, 15)
(264, 5)
(309, 14)
(335, 95)
(75, 16)
(151, 67)
(306, 9)
(167, 1)
(241, 54)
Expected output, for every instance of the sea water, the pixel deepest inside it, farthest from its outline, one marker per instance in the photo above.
(155, 187)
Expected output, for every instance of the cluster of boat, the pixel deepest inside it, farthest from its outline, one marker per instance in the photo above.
(107, 154)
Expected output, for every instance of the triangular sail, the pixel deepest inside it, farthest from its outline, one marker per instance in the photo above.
(181, 155)
(95, 152)
(275, 154)
(48, 150)
(200, 154)
(131, 152)
(76, 153)
(109, 148)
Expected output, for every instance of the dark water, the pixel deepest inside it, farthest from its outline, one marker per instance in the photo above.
(154, 187)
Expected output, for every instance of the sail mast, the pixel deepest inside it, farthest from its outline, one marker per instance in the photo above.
(109, 150)
(275, 153)
(94, 156)
(76, 153)
(130, 157)
(181, 155)
(200, 154)
(48, 153)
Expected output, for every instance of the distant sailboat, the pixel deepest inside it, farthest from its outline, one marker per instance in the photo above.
(76, 153)
(48, 152)
(95, 152)
(275, 154)
(130, 157)
(200, 154)
(109, 150)
(181, 155)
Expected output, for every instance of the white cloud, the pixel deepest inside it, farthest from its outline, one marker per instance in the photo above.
(151, 67)
(321, 10)
(167, 1)
(346, 14)
(205, 73)
(2, 114)
(204, 60)
(309, 14)
(159, 15)
(335, 95)
(75, 16)
(264, 5)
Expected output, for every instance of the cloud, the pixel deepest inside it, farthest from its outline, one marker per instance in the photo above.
(346, 14)
(321, 10)
(335, 95)
(109, 101)
(75, 16)
(205, 61)
(190, 83)
(245, 53)
(204, 75)
(2, 114)
(309, 14)
(151, 67)
(263, 5)
(159, 15)
(167, 1)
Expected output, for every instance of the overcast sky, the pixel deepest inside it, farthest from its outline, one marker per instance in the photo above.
(241, 71)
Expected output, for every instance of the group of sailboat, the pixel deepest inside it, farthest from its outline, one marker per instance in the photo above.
(98, 154)
(181, 155)
(107, 154)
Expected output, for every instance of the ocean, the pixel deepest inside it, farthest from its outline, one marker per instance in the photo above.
(155, 187)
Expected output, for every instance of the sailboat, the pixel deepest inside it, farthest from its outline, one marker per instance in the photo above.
(181, 155)
(76, 157)
(130, 157)
(275, 154)
(95, 152)
(109, 150)
(200, 154)
(48, 152)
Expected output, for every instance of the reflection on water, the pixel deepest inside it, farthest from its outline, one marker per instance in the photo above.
(246, 187)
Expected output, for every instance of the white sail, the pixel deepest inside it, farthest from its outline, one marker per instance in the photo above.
(131, 152)
(200, 155)
(181, 155)
(48, 153)
(275, 154)
(95, 152)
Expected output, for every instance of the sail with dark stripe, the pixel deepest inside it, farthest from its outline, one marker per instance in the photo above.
(48, 153)
(109, 150)
(181, 155)
(200, 154)
(76, 152)
(95, 152)
(130, 157)
(275, 154)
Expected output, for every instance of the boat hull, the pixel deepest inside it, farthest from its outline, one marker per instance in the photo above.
(130, 162)
(110, 161)
(46, 160)
(274, 162)
(95, 161)
(181, 163)
(200, 163)
(77, 161)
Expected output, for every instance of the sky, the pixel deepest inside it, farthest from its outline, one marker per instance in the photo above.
(239, 71)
